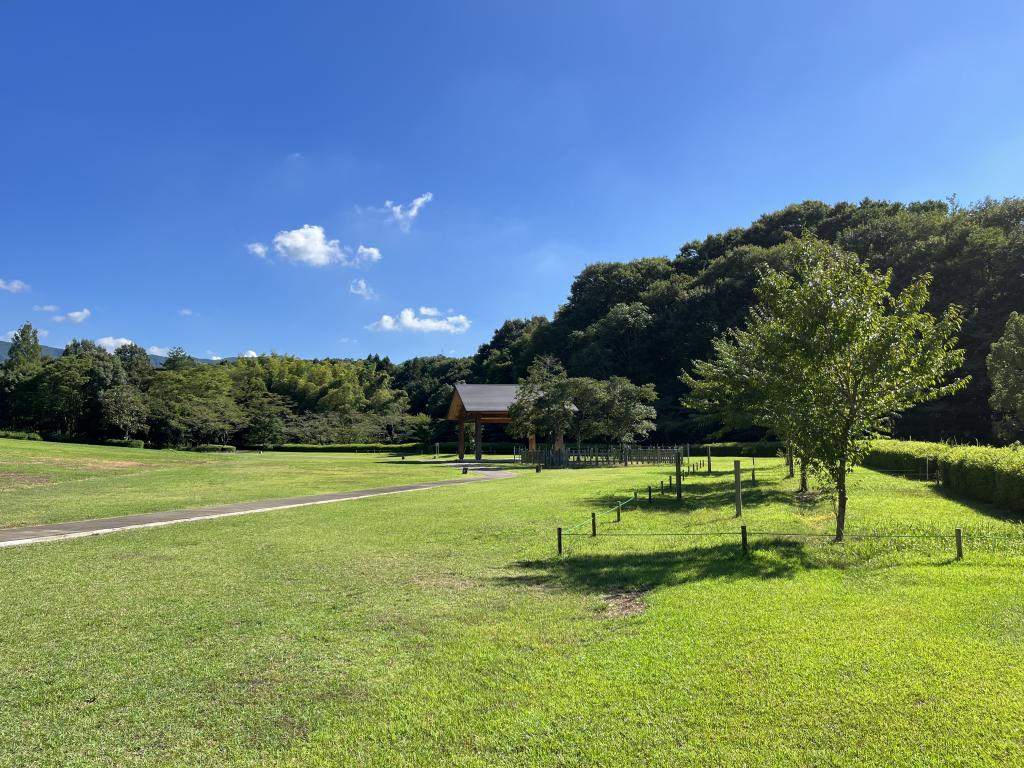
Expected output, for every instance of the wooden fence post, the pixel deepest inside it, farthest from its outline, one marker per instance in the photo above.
(465, 470)
(679, 476)
(959, 544)
(662, 487)
(743, 539)
(739, 487)
(650, 495)
(593, 523)
(709, 459)
(559, 541)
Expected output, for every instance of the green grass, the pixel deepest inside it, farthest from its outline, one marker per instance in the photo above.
(438, 628)
(53, 482)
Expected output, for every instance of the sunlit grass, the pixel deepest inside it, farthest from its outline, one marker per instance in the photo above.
(439, 628)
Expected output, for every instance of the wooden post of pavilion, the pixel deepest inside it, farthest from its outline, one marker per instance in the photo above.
(480, 404)
(478, 439)
(462, 439)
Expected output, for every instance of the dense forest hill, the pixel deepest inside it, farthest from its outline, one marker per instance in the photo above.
(648, 319)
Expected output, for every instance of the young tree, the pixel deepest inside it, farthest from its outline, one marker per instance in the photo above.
(543, 404)
(124, 408)
(24, 362)
(628, 410)
(829, 357)
(178, 360)
(1006, 369)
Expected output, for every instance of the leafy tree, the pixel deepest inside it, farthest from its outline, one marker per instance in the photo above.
(103, 370)
(124, 408)
(193, 406)
(590, 400)
(138, 368)
(829, 357)
(1006, 369)
(23, 363)
(178, 360)
(543, 404)
(628, 410)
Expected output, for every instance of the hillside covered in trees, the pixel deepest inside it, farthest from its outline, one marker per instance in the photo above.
(646, 320)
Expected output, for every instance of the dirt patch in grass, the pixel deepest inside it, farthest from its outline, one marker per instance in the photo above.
(11, 479)
(624, 603)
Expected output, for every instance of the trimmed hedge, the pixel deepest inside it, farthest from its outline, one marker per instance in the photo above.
(995, 475)
(349, 447)
(764, 449)
(903, 455)
(488, 447)
(12, 435)
(212, 448)
(125, 443)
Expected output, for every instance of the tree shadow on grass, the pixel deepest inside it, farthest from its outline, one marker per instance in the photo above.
(694, 497)
(603, 573)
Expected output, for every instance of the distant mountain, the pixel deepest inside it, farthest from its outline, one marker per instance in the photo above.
(157, 360)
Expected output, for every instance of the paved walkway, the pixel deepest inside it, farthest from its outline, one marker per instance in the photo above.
(32, 534)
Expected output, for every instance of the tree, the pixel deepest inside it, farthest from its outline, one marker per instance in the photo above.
(829, 357)
(178, 360)
(543, 404)
(138, 368)
(24, 361)
(590, 399)
(628, 410)
(124, 408)
(1006, 370)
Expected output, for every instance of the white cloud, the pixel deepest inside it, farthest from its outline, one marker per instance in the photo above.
(308, 245)
(366, 253)
(43, 333)
(45, 308)
(109, 343)
(408, 320)
(431, 311)
(185, 312)
(404, 216)
(257, 249)
(250, 353)
(347, 340)
(159, 351)
(13, 286)
(77, 316)
(360, 288)
(214, 357)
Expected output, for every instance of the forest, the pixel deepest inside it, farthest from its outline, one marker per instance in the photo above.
(648, 320)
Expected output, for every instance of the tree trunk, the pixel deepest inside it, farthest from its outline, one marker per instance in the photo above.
(803, 476)
(789, 460)
(841, 509)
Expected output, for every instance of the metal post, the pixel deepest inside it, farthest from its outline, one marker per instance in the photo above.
(743, 539)
(959, 544)
(593, 523)
(739, 488)
(559, 541)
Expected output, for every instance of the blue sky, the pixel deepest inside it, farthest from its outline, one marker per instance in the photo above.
(151, 150)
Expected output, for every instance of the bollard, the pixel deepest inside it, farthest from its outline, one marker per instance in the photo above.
(743, 539)
(538, 469)
(465, 470)
(739, 488)
(559, 541)
(959, 544)
(593, 523)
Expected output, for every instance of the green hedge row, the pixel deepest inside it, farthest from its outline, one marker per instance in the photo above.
(766, 449)
(213, 448)
(12, 435)
(349, 448)
(904, 455)
(995, 475)
(488, 448)
(125, 443)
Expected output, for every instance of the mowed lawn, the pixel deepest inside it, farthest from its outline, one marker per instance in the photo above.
(439, 628)
(54, 482)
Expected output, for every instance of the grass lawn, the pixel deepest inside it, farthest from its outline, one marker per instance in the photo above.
(53, 482)
(439, 628)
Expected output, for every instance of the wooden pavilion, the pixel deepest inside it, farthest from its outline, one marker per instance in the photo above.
(481, 404)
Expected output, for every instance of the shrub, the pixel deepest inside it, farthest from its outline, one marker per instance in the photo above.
(213, 448)
(995, 475)
(125, 443)
(904, 455)
(12, 435)
(764, 448)
(349, 447)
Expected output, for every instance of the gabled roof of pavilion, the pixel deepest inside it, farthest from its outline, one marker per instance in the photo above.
(487, 402)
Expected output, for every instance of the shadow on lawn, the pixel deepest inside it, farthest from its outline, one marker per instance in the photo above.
(643, 571)
(695, 497)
